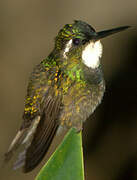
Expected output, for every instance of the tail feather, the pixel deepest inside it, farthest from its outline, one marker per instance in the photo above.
(15, 144)
(20, 161)
(23, 136)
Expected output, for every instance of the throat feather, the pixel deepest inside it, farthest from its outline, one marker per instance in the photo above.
(91, 54)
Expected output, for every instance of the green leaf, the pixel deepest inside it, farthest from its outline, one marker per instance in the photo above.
(66, 163)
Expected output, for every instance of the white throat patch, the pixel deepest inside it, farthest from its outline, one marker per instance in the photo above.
(91, 54)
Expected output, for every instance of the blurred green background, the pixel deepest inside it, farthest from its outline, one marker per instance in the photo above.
(27, 30)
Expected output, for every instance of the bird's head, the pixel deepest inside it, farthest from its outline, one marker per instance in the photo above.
(83, 42)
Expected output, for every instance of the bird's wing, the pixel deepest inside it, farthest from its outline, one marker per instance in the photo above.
(40, 121)
(31, 117)
(44, 133)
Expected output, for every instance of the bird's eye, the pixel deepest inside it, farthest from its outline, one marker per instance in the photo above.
(76, 41)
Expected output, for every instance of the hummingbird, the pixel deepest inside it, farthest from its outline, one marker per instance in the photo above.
(64, 89)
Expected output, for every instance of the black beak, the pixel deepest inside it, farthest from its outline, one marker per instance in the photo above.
(102, 34)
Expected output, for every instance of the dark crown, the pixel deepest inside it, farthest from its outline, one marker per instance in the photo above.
(77, 29)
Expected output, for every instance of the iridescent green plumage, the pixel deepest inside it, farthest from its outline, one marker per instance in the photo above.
(63, 91)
